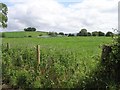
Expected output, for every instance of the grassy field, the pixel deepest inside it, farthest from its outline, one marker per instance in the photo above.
(86, 46)
(22, 34)
(66, 61)
(66, 42)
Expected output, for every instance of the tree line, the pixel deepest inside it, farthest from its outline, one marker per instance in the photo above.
(82, 32)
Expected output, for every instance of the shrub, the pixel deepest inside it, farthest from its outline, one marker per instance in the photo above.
(29, 36)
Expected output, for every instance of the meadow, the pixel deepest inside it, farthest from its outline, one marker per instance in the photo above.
(66, 62)
(22, 34)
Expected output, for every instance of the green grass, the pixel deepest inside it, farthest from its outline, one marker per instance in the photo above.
(70, 59)
(67, 42)
(85, 48)
(22, 34)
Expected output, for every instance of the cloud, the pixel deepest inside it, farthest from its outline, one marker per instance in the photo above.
(50, 15)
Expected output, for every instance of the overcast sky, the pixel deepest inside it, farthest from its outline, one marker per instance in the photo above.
(68, 16)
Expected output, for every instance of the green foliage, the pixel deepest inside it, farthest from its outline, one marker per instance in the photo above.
(83, 32)
(3, 15)
(109, 34)
(95, 33)
(98, 33)
(107, 74)
(70, 34)
(101, 33)
(88, 34)
(30, 29)
(73, 63)
(61, 33)
(56, 69)
(52, 34)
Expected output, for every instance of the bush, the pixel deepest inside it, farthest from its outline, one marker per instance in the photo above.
(40, 34)
(70, 35)
(109, 34)
(29, 36)
(56, 70)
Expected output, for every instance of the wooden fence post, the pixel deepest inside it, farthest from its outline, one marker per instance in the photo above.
(8, 46)
(106, 50)
(38, 54)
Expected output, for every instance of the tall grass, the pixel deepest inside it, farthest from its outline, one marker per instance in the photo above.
(57, 69)
(65, 62)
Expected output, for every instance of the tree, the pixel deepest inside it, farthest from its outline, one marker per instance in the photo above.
(70, 34)
(83, 32)
(30, 29)
(88, 34)
(52, 34)
(61, 33)
(109, 34)
(98, 33)
(101, 33)
(66, 34)
(95, 33)
(79, 34)
(3, 15)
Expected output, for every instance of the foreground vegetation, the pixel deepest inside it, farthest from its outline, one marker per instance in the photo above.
(66, 62)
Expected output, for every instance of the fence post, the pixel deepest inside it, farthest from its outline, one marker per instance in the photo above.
(106, 50)
(38, 54)
(8, 46)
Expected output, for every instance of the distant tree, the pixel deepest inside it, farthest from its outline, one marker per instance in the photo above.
(83, 32)
(88, 34)
(30, 29)
(56, 33)
(109, 34)
(98, 33)
(79, 34)
(66, 34)
(70, 34)
(53, 34)
(95, 33)
(61, 33)
(3, 15)
(101, 33)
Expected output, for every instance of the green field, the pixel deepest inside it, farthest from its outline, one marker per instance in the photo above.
(61, 42)
(86, 47)
(22, 34)
(65, 61)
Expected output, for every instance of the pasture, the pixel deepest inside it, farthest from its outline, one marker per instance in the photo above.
(65, 62)
(22, 34)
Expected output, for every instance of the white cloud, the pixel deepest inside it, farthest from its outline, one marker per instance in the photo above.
(49, 15)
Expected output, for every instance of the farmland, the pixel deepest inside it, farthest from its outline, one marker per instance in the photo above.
(22, 34)
(65, 62)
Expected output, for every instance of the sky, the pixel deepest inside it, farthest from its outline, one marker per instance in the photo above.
(68, 16)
